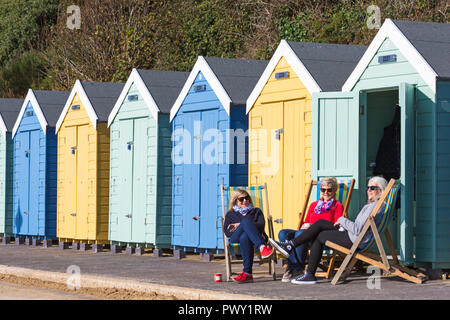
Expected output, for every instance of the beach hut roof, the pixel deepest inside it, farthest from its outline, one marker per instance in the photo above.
(97, 97)
(46, 105)
(159, 89)
(9, 110)
(231, 79)
(320, 66)
(424, 44)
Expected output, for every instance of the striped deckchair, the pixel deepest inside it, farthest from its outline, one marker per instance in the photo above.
(260, 199)
(343, 194)
(380, 260)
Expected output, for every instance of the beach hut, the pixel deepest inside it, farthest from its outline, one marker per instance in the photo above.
(392, 118)
(209, 147)
(83, 164)
(140, 199)
(280, 120)
(9, 110)
(34, 180)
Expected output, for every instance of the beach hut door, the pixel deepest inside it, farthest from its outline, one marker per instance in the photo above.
(406, 102)
(335, 137)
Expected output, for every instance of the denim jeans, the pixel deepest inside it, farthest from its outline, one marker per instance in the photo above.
(248, 236)
(297, 260)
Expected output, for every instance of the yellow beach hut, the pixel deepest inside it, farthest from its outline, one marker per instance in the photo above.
(280, 120)
(83, 165)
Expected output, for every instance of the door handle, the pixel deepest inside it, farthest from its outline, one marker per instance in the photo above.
(278, 132)
(129, 144)
(73, 214)
(128, 216)
(196, 218)
(278, 220)
(73, 149)
(26, 212)
(27, 152)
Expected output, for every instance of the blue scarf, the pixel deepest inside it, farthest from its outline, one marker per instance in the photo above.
(323, 207)
(242, 211)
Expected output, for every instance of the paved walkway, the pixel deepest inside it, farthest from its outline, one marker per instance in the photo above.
(196, 276)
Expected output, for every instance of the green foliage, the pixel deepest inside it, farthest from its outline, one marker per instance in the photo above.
(21, 24)
(22, 73)
(38, 50)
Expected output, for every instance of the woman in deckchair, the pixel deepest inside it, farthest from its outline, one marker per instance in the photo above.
(244, 224)
(327, 208)
(344, 232)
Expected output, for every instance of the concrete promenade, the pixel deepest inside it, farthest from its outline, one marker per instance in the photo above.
(192, 278)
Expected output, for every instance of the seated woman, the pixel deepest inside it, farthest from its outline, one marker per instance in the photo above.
(244, 224)
(327, 208)
(344, 232)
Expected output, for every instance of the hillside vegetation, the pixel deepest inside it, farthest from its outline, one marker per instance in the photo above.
(39, 50)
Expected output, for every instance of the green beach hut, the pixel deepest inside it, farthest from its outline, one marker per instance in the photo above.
(392, 118)
(141, 166)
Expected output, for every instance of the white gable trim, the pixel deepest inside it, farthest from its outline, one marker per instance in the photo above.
(283, 50)
(135, 78)
(78, 88)
(3, 127)
(37, 110)
(391, 31)
(202, 66)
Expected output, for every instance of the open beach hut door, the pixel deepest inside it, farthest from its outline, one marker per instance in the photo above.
(407, 165)
(336, 138)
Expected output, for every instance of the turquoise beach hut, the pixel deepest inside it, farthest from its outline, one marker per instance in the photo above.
(392, 118)
(141, 169)
(9, 110)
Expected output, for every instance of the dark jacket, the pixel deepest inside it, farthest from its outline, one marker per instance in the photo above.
(255, 215)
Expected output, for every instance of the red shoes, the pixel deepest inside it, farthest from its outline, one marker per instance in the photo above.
(266, 252)
(243, 277)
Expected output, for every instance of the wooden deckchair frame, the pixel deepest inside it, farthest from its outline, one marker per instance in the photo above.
(381, 261)
(228, 261)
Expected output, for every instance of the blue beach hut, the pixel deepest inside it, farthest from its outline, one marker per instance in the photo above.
(206, 117)
(35, 165)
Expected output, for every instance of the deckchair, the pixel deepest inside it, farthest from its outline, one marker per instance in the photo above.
(380, 260)
(343, 195)
(258, 196)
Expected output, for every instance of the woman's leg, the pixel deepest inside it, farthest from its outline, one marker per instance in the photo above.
(339, 237)
(313, 231)
(294, 260)
(247, 251)
(246, 226)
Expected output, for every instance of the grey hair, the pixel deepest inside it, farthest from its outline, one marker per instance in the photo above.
(381, 183)
(331, 181)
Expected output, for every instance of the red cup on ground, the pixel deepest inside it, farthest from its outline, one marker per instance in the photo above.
(217, 277)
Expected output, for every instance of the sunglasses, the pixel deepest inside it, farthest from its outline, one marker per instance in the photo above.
(241, 199)
(323, 190)
(372, 188)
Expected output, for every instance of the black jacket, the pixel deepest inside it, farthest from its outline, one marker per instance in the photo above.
(255, 215)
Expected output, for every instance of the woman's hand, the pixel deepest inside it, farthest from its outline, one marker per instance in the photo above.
(337, 224)
(305, 226)
(233, 227)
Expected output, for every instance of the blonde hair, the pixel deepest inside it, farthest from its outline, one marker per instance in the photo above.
(236, 194)
(331, 181)
(381, 183)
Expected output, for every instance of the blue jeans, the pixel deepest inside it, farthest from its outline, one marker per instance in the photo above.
(297, 260)
(248, 236)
